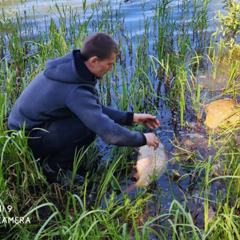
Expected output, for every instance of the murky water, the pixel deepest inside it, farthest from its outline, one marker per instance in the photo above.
(134, 15)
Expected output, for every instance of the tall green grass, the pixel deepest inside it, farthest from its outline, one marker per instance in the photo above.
(159, 67)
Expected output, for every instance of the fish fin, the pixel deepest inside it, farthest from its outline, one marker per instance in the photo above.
(135, 176)
(139, 153)
(130, 188)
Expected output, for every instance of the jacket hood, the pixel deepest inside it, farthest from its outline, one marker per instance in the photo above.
(63, 69)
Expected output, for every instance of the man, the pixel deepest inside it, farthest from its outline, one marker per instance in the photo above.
(61, 112)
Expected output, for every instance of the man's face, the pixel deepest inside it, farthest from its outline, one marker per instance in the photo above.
(101, 67)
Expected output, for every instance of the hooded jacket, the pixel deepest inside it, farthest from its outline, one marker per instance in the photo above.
(63, 90)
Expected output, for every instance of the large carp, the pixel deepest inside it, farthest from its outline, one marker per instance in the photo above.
(150, 165)
(222, 112)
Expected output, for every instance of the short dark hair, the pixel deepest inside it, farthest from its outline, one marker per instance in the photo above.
(100, 45)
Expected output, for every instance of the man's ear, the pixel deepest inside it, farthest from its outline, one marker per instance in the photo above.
(93, 60)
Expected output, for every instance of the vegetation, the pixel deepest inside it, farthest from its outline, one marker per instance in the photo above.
(160, 70)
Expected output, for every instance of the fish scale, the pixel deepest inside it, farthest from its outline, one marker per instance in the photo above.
(150, 165)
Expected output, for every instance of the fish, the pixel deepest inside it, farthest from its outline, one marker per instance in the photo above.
(150, 165)
(222, 112)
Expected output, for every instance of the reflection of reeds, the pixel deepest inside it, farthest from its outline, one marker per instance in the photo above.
(159, 66)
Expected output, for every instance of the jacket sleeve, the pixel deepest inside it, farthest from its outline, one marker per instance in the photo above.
(120, 117)
(85, 105)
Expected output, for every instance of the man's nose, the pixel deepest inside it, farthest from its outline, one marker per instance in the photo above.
(110, 67)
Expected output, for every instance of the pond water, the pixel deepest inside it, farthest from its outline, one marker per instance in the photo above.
(134, 15)
(132, 9)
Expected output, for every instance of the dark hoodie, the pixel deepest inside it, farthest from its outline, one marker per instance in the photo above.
(60, 91)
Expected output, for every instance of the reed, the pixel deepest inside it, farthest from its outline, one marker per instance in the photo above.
(159, 68)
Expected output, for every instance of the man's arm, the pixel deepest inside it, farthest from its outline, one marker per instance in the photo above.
(120, 117)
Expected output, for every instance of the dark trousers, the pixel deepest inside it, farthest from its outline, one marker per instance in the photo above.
(58, 141)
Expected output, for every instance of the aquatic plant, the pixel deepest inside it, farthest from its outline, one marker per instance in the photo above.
(230, 23)
(159, 69)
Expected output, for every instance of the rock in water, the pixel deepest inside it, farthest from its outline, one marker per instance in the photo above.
(222, 112)
(150, 165)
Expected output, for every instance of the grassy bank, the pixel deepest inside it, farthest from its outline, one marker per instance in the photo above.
(163, 69)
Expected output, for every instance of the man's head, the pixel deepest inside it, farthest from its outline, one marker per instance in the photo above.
(99, 52)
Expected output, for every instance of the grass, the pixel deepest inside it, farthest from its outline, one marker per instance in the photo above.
(163, 74)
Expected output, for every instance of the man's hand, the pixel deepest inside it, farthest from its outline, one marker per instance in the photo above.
(146, 119)
(152, 140)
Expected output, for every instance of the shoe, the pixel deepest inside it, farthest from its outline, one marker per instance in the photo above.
(66, 178)
(63, 177)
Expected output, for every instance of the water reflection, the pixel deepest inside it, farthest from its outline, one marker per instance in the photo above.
(134, 13)
(132, 9)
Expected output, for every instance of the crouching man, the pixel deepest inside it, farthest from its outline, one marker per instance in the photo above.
(62, 112)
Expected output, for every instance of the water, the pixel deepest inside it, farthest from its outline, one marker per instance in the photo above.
(134, 15)
(132, 9)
